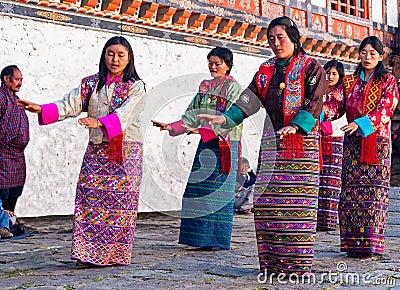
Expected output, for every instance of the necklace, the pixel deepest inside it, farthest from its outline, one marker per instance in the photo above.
(280, 90)
(282, 84)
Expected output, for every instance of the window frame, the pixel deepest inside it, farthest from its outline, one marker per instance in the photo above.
(357, 8)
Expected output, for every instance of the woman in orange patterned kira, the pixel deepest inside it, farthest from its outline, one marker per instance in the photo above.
(290, 88)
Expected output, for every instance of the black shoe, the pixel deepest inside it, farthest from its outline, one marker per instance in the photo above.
(17, 229)
(359, 254)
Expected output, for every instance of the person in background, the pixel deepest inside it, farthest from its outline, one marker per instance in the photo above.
(107, 193)
(290, 86)
(244, 188)
(369, 97)
(332, 152)
(246, 176)
(207, 206)
(14, 137)
(4, 223)
(394, 65)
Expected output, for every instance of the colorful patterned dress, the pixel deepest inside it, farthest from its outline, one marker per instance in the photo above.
(107, 193)
(330, 178)
(366, 161)
(207, 205)
(286, 188)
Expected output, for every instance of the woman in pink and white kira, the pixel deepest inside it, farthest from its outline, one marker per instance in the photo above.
(108, 187)
(332, 152)
(368, 97)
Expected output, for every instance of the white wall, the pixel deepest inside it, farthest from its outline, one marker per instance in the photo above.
(377, 10)
(321, 3)
(53, 58)
(393, 12)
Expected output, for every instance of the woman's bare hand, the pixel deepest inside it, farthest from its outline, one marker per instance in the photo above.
(350, 128)
(191, 130)
(287, 130)
(162, 126)
(211, 119)
(89, 123)
(29, 106)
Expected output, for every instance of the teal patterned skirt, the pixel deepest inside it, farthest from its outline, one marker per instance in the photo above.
(207, 206)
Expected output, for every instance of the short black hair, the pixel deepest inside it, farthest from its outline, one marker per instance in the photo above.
(223, 53)
(8, 71)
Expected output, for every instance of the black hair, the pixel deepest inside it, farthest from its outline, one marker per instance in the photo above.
(223, 53)
(129, 71)
(338, 66)
(8, 71)
(245, 161)
(374, 41)
(291, 30)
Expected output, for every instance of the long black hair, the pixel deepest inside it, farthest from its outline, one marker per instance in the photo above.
(291, 30)
(374, 41)
(338, 66)
(223, 53)
(129, 71)
(8, 71)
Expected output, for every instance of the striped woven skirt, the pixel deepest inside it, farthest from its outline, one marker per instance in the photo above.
(364, 199)
(207, 205)
(106, 205)
(285, 206)
(330, 184)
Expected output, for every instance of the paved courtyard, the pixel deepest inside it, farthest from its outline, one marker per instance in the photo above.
(42, 261)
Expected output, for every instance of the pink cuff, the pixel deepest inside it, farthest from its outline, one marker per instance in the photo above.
(326, 128)
(111, 126)
(207, 133)
(177, 128)
(49, 114)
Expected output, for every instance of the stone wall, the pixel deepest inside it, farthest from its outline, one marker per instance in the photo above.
(54, 57)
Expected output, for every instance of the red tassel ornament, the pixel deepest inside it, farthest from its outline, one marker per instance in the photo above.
(225, 155)
(326, 144)
(115, 148)
(369, 149)
(239, 170)
(293, 146)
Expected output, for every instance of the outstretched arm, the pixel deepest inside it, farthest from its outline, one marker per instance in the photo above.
(29, 106)
(212, 119)
(161, 125)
